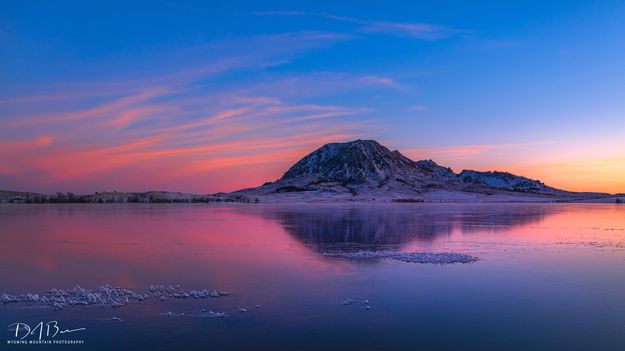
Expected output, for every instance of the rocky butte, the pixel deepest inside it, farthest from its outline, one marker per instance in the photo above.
(365, 170)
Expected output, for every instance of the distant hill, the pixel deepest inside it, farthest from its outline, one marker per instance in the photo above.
(107, 197)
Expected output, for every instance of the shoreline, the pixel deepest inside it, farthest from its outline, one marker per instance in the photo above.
(249, 197)
(608, 201)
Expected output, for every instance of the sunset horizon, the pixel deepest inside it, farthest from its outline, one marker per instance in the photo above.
(274, 174)
(87, 110)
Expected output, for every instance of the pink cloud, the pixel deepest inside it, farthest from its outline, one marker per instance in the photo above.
(379, 80)
(468, 151)
(163, 129)
(131, 115)
(13, 146)
(97, 111)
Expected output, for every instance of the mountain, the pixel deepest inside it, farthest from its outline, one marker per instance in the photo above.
(361, 161)
(365, 170)
(352, 162)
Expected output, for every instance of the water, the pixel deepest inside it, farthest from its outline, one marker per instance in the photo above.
(550, 276)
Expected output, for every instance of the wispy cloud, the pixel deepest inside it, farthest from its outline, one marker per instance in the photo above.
(469, 151)
(319, 84)
(414, 30)
(186, 66)
(18, 145)
(380, 80)
(240, 130)
(175, 125)
(417, 108)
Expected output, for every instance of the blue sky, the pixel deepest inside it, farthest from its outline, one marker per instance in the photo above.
(221, 88)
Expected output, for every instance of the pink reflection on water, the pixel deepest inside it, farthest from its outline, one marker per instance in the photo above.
(242, 248)
(134, 246)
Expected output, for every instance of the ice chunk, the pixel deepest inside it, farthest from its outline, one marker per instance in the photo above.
(441, 258)
(6, 298)
(106, 296)
(216, 314)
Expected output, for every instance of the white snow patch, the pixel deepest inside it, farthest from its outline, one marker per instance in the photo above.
(106, 296)
(441, 258)
(212, 314)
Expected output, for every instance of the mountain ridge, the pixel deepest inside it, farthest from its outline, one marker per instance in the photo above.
(368, 171)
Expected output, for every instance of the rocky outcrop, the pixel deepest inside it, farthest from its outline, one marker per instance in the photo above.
(367, 170)
(503, 180)
(354, 162)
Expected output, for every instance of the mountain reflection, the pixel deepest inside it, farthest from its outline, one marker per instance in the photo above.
(387, 227)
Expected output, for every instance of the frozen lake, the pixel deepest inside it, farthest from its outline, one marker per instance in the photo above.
(548, 276)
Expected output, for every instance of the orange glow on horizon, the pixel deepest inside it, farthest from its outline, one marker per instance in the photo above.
(157, 138)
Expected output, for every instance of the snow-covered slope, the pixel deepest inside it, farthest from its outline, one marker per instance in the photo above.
(503, 180)
(353, 162)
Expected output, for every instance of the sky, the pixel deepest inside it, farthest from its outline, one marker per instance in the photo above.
(211, 96)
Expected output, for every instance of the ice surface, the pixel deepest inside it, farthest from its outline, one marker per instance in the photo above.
(441, 258)
(107, 296)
